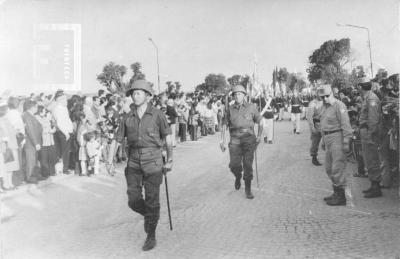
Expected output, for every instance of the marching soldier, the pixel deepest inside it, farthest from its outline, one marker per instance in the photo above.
(369, 123)
(314, 119)
(336, 132)
(147, 131)
(240, 119)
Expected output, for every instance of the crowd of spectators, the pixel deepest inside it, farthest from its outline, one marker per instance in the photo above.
(47, 135)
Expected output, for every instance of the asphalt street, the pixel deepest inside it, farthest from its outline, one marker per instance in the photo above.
(81, 217)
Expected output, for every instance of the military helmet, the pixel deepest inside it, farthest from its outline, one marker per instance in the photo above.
(140, 85)
(238, 88)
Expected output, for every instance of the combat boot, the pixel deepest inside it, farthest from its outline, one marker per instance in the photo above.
(247, 190)
(368, 190)
(151, 241)
(237, 183)
(334, 194)
(339, 199)
(315, 161)
(375, 191)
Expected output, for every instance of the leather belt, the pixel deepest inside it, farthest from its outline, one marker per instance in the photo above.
(241, 131)
(316, 120)
(331, 132)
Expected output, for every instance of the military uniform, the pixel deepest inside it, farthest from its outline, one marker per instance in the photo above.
(240, 120)
(369, 121)
(336, 132)
(145, 140)
(314, 121)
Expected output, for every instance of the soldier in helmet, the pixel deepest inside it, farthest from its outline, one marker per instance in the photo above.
(336, 133)
(369, 121)
(147, 132)
(240, 118)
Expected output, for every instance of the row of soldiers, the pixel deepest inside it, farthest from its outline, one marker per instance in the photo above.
(329, 121)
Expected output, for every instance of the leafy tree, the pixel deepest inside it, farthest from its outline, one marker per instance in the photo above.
(112, 77)
(328, 61)
(380, 75)
(137, 73)
(213, 83)
(234, 80)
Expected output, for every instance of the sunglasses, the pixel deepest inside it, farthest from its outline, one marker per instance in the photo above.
(324, 96)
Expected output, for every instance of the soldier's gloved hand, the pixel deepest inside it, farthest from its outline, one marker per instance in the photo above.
(222, 146)
(167, 167)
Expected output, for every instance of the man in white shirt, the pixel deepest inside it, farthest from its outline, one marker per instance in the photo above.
(64, 129)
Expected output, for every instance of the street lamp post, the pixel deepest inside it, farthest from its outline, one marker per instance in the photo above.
(158, 65)
(369, 42)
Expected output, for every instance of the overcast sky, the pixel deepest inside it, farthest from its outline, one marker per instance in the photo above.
(199, 37)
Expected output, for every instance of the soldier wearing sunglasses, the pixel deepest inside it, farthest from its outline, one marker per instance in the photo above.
(336, 133)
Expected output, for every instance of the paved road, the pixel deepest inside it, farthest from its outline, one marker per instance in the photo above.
(79, 217)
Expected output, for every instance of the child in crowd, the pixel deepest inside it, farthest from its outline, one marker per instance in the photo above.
(82, 129)
(93, 150)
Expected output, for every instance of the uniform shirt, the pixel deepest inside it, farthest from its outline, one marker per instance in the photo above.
(370, 112)
(242, 116)
(335, 117)
(149, 131)
(296, 102)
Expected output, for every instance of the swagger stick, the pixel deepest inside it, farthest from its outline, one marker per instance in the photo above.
(169, 210)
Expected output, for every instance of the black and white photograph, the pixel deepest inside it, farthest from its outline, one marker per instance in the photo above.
(212, 129)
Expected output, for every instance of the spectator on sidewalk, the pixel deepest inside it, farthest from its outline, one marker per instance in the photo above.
(9, 148)
(47, 154)
(172, 115)
(314, 122)
(33, 143)
(64, 129)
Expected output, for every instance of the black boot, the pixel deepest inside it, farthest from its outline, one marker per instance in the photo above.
(339, 199)
(247, 190)
(375, 191)
(368, 190)
(150, 242)
(334, 194)
(146, 225)
(315, 161)
(237, 183)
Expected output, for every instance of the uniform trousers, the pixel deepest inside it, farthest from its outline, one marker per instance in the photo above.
(315, 139)
(371, 156)
(296, 121)
(268, 126)
(335, 159)
(241, 153)
(144, 170)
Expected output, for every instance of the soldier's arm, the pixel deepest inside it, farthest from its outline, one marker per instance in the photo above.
(373, 116)
(166, 135)
(345, 123)
(310, 115)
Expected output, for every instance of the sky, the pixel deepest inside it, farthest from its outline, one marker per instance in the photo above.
(195, 38)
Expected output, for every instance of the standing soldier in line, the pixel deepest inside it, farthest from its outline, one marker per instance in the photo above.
(369, 121)
(314, 119)
(147, 132)
(337, 133)
(240, 118)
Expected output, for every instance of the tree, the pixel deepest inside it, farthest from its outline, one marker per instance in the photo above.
(137, 73)
(112, 77)
(380, 75)
(213, 83)
(328, 61)
(234, 80)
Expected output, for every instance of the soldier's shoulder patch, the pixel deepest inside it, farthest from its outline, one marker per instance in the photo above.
(343, 110)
